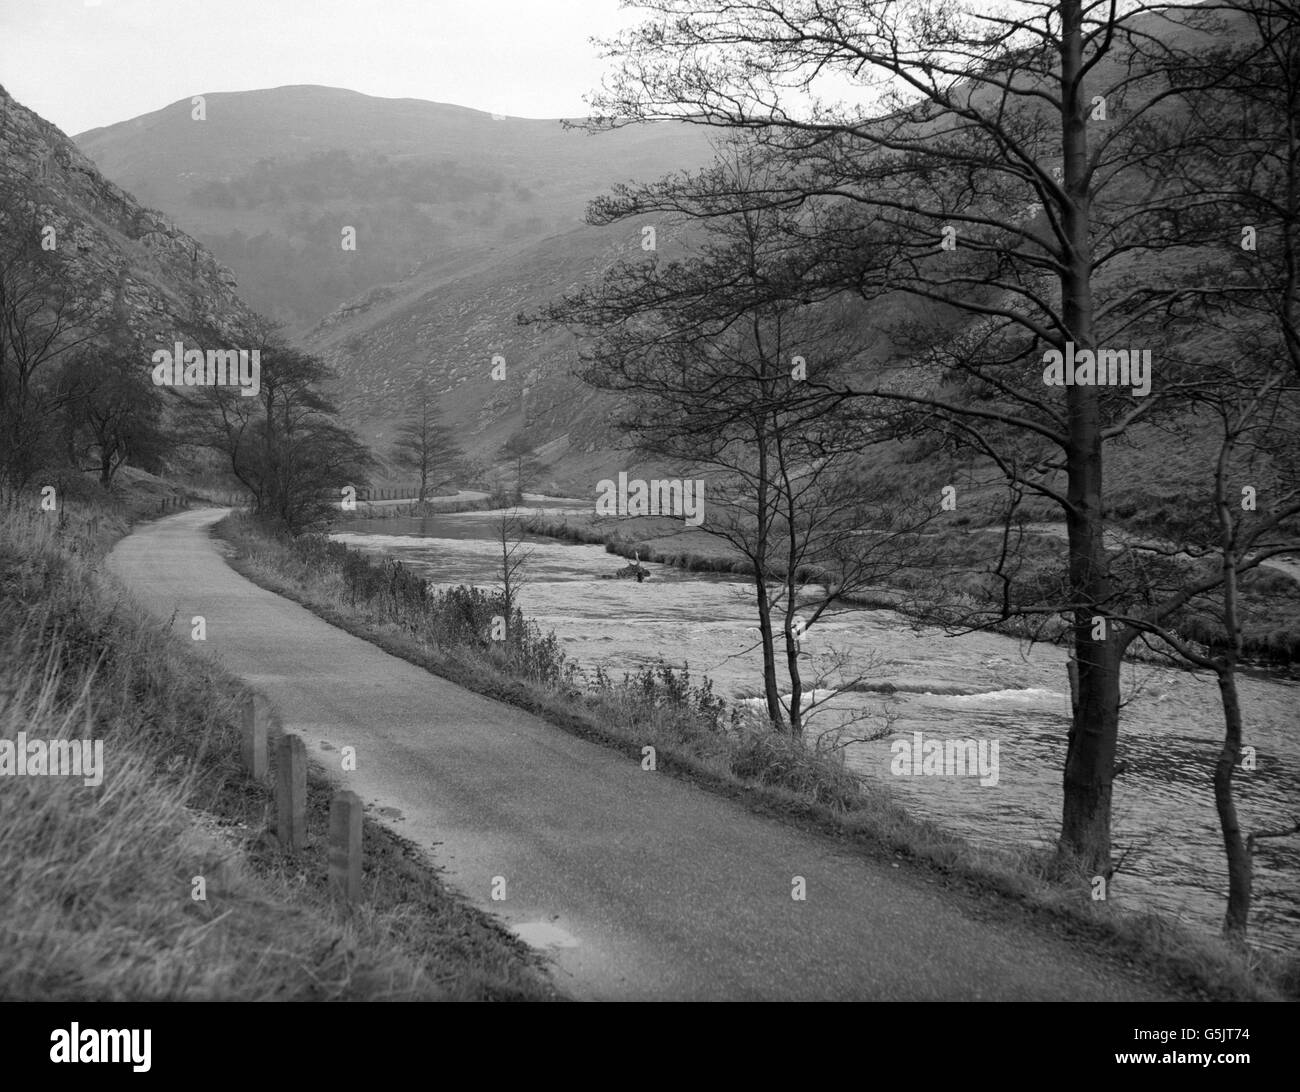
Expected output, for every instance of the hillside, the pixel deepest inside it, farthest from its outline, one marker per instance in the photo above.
(269, 179)
(449, 322)
(162, 281)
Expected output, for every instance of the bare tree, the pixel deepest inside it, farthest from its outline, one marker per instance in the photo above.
(112, 413)
(1243, 153)
(425, 445)
(514, 557)
(524, 464)
(709, 348)
(44, 315)
(285, 446)
(1009, 175)
(1254, 415)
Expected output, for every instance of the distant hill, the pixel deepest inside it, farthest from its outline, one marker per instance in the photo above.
(269, 180)
(462, 220)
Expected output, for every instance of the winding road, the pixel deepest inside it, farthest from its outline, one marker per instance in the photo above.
(638, 885)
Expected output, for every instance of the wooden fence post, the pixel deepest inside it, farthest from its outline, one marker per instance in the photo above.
(291, 792)
(345, 845)
(255, 735)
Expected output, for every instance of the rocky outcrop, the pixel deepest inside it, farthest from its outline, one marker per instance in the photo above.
(163, 284)
(633, 570)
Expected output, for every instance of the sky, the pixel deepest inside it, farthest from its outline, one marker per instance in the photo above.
(85, 63)
(82, 64)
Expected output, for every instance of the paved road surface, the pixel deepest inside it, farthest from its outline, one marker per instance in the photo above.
(641, 886)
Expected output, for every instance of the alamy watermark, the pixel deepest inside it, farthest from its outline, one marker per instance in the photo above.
(182, 367)
(1103, 368)
(78, 1044)
(82, 758)
(945, 758)
(658, 497)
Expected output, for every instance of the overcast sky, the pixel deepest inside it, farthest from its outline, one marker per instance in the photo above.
(86, 63)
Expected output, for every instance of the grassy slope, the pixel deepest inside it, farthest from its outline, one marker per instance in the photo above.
(96, 902)
(768, 774)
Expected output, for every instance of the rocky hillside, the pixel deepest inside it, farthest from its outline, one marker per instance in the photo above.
(163, 282)
(454, 326)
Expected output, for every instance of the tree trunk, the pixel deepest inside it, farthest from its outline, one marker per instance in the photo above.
(762, 533)
(1090, 757)
(1239, 862)
(507, 591)
(1238, 852)
(796, 680)
(792, 642)
(771, 691)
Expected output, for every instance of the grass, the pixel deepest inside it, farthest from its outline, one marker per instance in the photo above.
(698, 739)
(97, 900)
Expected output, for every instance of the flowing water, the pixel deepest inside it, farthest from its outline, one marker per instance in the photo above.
(983, 687)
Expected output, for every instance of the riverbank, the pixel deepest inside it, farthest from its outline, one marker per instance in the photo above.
(770, 774)
(1270, 647)
(413, 509)
(464, 500)
(102, 882)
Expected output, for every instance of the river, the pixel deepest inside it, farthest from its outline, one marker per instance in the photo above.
(984, 687)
